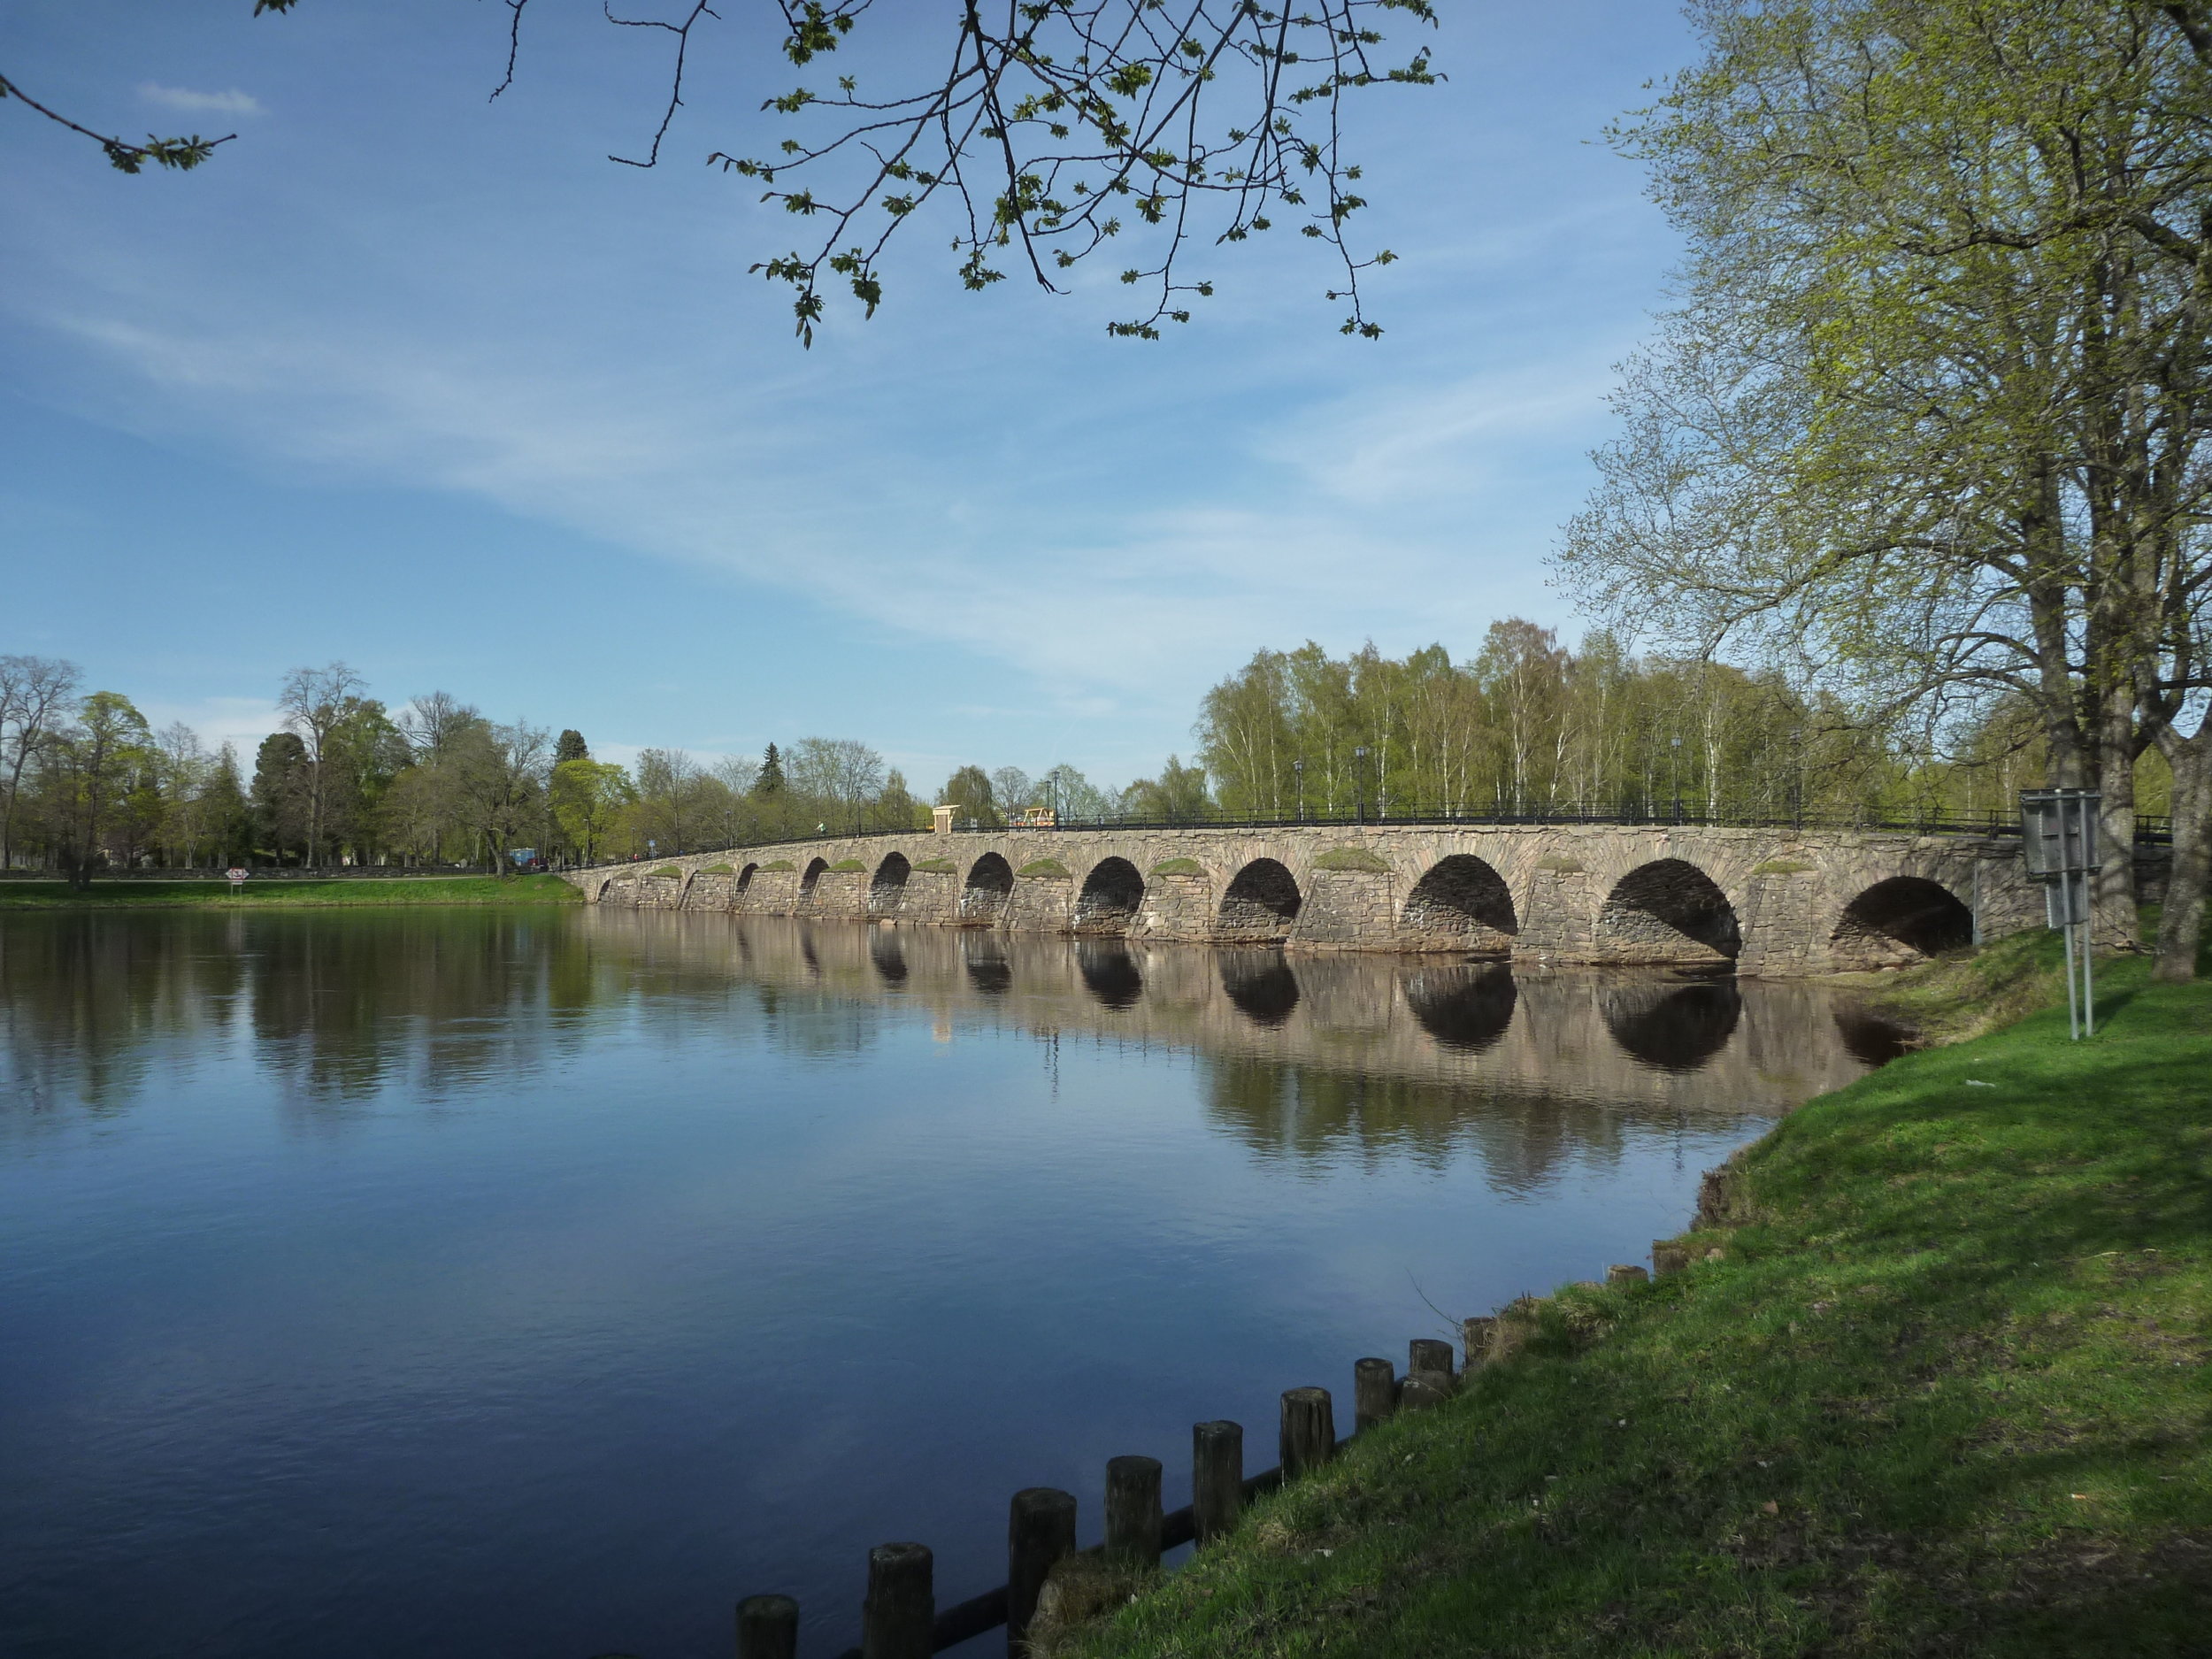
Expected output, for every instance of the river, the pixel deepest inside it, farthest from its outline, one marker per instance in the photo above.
(498, 1283)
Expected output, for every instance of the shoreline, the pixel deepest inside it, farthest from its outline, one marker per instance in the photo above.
(1935, 1382)
(290, 893)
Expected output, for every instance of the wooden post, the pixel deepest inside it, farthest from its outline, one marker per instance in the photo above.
(1374, 1393)
(1040, 1530)
(1474, 1341)
(1217, 1477)
(1427, 1354)
(767, 1627)
(1627, 1273)
(1669, 1256)
(1309, 1430)
(1424, 1389)
(1133, 1511)
(901, 1604)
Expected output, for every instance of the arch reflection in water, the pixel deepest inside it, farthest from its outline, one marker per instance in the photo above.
(988, 970)
(1465, 1008)
(886, 957)
(1260, 984)
(1674, 1027)
(1110, 974)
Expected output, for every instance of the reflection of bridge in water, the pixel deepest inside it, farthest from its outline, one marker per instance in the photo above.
(1416, 1039)
(1768, 902)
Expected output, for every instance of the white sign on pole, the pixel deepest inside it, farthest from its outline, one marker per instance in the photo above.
(237, 878)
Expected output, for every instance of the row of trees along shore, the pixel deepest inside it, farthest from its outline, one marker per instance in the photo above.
(1927, 423)
(1525, 728)
(87, 784)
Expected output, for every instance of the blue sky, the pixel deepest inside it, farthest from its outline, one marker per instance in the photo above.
(424, 382)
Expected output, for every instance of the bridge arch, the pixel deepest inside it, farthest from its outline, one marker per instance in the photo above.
(887, 889)
(808, 882)
(989, 885)
(1669, 911)
(599, 892)
(1108, 900)
(1898, 922)
(1461, 904)
(1260, 985)
(1261, 902)
(744, 880)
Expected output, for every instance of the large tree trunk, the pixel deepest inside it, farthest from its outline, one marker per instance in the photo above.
(2181, 923)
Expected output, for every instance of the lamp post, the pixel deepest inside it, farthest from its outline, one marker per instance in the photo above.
(2058, 835)
(1674, 773)
(1359, 784)
(1298, 767)
(1797, 777)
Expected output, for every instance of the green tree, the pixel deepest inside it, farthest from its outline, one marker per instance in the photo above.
(279, 797)
(1177, 795)
(895, 806)
(36, 693)
(95, 792)
(589, 799)
(770, 782)
(1927, 420)
(569, 746)
(970, 790)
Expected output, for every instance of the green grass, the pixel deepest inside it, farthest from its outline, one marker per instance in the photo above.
(1945, 1392)
(1352, 858)
(1179, 867)
(1045, 869)
(937, 867)
(283, 894)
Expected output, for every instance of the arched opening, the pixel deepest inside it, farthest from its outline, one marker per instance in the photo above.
(990, 883)
(1260, 903)
(1460, 904)
(1669, 912)
(886, 956)
(888, 887)
(1466, 1009)
(600, 892)
(745, 877)
(1261, 985)
(1110, 895)
(1900, 921)
(1110, 974)
(808, 881)
(1673, 1027)
(988, 970)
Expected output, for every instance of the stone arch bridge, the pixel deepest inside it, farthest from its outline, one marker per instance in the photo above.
(1768, 902)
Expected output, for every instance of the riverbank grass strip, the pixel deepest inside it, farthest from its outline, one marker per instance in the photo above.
(1945, 1390)
(282, 893)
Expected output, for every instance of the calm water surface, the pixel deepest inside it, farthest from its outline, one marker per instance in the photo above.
(487, 1285)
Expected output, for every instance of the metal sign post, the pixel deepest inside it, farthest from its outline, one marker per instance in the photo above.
(2058, 830)
(236, 878)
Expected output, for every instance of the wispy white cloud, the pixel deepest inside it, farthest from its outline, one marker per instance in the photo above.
(190, 103)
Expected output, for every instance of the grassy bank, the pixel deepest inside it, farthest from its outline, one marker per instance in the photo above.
(1944, 1391)
(288, 894)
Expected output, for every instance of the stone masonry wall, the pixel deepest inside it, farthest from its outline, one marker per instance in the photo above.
(1559, 894)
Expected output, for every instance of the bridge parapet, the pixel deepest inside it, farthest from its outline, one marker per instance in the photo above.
(1768, 902)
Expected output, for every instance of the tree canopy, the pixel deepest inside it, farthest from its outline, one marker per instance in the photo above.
(1044, 132)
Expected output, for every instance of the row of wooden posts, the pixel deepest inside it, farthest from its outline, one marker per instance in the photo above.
(899, 1618)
